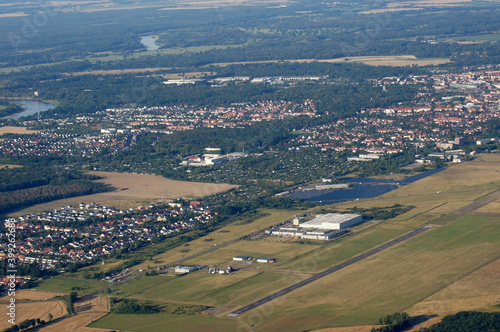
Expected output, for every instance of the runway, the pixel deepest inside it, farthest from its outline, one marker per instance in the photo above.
(328, 271)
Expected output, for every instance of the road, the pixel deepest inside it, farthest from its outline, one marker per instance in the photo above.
(328, 271)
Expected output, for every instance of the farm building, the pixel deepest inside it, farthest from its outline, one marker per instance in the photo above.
(331, 221)
(241, 258)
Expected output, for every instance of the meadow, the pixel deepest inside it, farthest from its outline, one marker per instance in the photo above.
(454, 262)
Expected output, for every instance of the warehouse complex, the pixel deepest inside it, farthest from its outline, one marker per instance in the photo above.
(322, 227)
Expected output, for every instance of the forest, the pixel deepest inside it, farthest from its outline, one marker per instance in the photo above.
(467, 321)
(24, 186)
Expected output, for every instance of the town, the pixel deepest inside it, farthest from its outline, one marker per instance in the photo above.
(84, 233)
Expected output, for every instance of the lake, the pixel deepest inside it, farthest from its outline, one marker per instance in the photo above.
(359, 188)
(31, 107)
(150, 43)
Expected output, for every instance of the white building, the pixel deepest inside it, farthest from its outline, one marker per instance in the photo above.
(331, 221)
(184, 269)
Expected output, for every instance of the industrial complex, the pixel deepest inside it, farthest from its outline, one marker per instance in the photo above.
(322, 227)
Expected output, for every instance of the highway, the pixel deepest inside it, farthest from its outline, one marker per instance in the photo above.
(328, 271)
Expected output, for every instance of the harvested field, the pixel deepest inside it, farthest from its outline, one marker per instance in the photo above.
(30, 310)
(16, 130)
(16, 14)
(118, 71)
(9, 165)
(135, 189)
(75, 323)
(92, 303)
(390, 60)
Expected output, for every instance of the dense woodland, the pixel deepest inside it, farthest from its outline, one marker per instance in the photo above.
(467, 321)
(24, 186)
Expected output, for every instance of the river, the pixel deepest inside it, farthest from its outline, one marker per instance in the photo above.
(31, 107)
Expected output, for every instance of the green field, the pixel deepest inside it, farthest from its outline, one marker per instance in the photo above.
(337, 251)
(67, 286)
(390, 281)
(164, 322)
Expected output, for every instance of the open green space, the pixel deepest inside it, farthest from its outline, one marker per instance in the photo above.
(69, 285)
(161, 322)
(200, 287)
(233, 231)
(359, 294)
(284, 250)
(392, 280)
(342, 249)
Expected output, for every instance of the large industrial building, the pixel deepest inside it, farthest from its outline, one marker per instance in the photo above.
(323, 227)
(332, 221)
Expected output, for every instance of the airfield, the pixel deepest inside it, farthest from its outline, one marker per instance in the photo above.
(449, 267)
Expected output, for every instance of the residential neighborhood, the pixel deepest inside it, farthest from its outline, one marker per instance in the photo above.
(83, 233)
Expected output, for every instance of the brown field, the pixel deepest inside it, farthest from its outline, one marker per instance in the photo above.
(133, 190)
(9, 165)
(387, 10)
(411, 5)
(118, 71)
(16, 130)
(477, 291)
(88, 310)
(389, 60)
(17, 14)
(27, 310)
(92, 304)
(75, 323)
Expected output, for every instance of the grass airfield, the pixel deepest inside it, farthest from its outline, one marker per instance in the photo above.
(447, 264)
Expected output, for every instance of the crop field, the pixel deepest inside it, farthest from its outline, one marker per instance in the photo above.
(389, 60)
(16, 130)
(33, 295)
(9, 165)
(29, 310)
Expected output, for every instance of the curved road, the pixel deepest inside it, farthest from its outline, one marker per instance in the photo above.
(328, 271)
